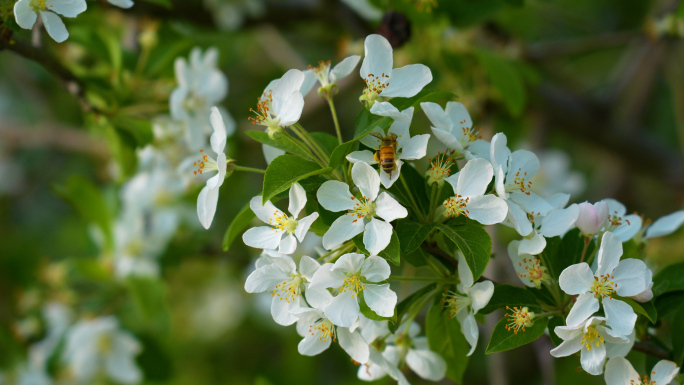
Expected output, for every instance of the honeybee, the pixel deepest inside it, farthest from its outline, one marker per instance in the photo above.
(387, 152)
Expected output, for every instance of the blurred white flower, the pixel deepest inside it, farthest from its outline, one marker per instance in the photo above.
(101, 346)
(26, 13)
(121, 3)
(555, 175)
(624, 226)
(231, 14)
(619, 371)
(208, 197)
(665, 225)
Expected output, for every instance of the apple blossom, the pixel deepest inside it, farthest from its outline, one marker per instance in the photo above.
(408, 148)
(454, 127)
(351, 276)
(26, 13)
(665, 225)
(556, 223)
(327, 77)
(592, 217)
(626, 278)
(362, 212)
(281, 103)
(470, 186)
(469, 298)
(384, 81)
(282, 231)
(593, 339)
(527, 266)
(208, 197)
(619, 371)
(624, 226)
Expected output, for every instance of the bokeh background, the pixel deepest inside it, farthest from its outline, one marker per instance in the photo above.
(594, 87)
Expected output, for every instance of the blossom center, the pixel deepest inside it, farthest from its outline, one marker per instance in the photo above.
(194, 103)
(363, 207)
(205, 163)
(454, 302)
(521, 182)
(104, 343)
(374, 87)
(519, 319)
(322, 72)
(456, 206)
(289, 290)
(282, 222)
(264, 115)
(353, 283)
(592, 338)
(38, 5)
(469, 135)
(323, 328)
(534, 271)
(603, 286)
(440, 168)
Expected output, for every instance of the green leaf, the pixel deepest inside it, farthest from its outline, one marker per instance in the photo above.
(139, 129)
(678, 337)
(416, 258)
(237, 226)
(474, 243)
(671, 278)
(417, 297)
(286, 170)
(647, 309)
(509, 295)
(561, 253)
(503, 339)
(416, 189)
(668, 302)
(284, 143)
(340, 152)
(150, 299)
(391, 253)
(112, 44)
(411, 234)
(445, 338)
(89, 203)
(369, 313)
(507, 79)
(327, 141)
(164, 3)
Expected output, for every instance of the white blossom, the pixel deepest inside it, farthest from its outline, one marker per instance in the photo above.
(208, 197)
(326, 77)
(454, 127)
(619, 371)
(26, 13)
(665, 225)
(624, 226)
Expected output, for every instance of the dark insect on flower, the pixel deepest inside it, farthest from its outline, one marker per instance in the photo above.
(396, 28)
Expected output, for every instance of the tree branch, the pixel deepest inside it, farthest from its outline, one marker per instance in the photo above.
(651, 349)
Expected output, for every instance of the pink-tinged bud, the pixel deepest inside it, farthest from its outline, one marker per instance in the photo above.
(592, 218)
(644, 296)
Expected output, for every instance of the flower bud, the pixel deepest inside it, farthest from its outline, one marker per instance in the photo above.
(592, 218)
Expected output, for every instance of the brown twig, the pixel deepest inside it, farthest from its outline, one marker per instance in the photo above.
(651, 349)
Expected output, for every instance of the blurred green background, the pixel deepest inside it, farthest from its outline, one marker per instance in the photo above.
(600, 80)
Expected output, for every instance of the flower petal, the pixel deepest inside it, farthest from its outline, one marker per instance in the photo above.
(263, 237)
(265, 278)
(344, 68)
(592, 360)
(559, 221)
(464, 273)
(445, 136)
(325, 277)
(218, 138)
(362, 156)
(303, 226)
(487, 209)
(388, 180)
(334, 195)
(609, 254)
(576, 279)
(584, 308)
(388, 208)
(518, 219)
(24, 14)
(438, 117)
(343, 310)
(288, 244)
(415, 147)
(665, 225)
(480, 294)
(631, 277)
(380, 298)
(619, 316)
(663, 372)
(54, 26)
(68, 8)
(318, 298)
(426, 364)
(620, 372)
(533, 244)
(366, 179)
(297, 200)
(568, 347)
(349, 263)
(265, 212)
(377, 236)
(375, 269)
(407, 81)
(271, 153)
(631, 224)
(522, 163)
(459, 116)
(470, 331)
(474, 178)
(378, 59)
(281, 310)
(354, 345)
(206, 205)
(311, 345)
(343, 229)
(498, 152)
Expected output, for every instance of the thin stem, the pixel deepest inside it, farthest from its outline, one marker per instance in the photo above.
(415, 309)
(334, 116)
(302, 146)
(419, 214)
(433, 192)
(343, 248)
(248, 169)
(311, 142)
(584, 251)
(422, 279)
(548, 313)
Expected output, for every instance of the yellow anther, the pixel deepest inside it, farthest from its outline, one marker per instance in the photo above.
(520, 319)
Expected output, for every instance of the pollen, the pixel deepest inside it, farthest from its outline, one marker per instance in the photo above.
(353, 284)
(534, 271)
(454, 302)
(374, 87)
(263, 113)
(204, 163)
(603, 286)
(289, 290)
(440, 167)
(469, 134)
(363, 207)
(521, 182)
(323, 329)
(519, 319)
(282, 222)
(592, 338)
(456, 206)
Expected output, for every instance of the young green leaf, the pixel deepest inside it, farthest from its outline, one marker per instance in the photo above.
(503, 339)
(406, 303)
(411, 234)
(669, 279)
(340, 152)
(474, 243)
(286, 170)
(239, 223)
(415, 192)
(284, 143)
(445, 338)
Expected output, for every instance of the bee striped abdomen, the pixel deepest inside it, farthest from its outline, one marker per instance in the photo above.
(387, 159)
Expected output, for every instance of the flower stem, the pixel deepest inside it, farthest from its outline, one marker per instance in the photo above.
(584, 251)
(304, 148)
(311, 142)
(248, 169)
(334, 116)
(419, 214)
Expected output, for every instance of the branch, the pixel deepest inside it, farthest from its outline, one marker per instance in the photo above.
(651, 349)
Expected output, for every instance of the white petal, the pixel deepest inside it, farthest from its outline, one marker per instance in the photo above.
(665, 225)
(520, 263)
(318, 298)
(343, 229)
(217, 180)
(325, 277)
(459, 116)
(388, 180)
(584, 308)
(487, 209)
(631, 224)
(335, 196)
(474, 178)
(559, 221)
(366, 179)
(343, 310)
(265, 212)
(354, 345)
(68, 8)
(663, 372)
(380, 299)
(388, 208)
(24, 14)
(297, 199)
(271, 153)
(518, 219)
(478, 149)
(415, 148)
(303, 226)
(470, 331)
(480, 294)
(344, 68)
(499, 152)
(263, 237)
(218, 138)
(371, 140)
(308, 83)
(523, 162)
(445, 136)
(568, 347)
(464, 273)
(121, 3)
(280, 310)
(438, 117)
(620, 372)
(592, 360)
(290, 82)
(615, 207)
(349, 263)
(377, 236)
(362, 156)
(375, 269)
(576, 279)
(559, 200)
(123, 369)
(531, 202)
(265, 278)
(407, 81)
(534, 244)
(54, 26)
(206, 205)
(426, 364)
(645, 295)
(630, 277)
(378, 59)
(609, 254)
(619, 316)
(616, 345)
(311, 345)
(291, 110)
(387, 109)
(288, 244)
